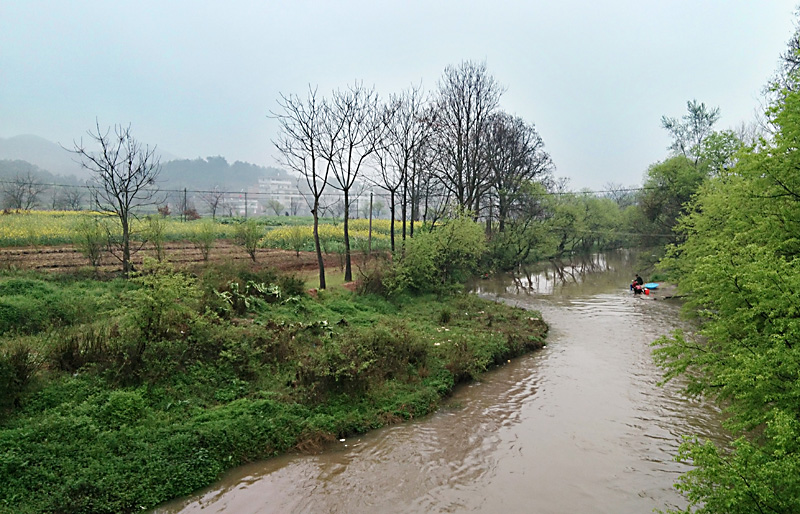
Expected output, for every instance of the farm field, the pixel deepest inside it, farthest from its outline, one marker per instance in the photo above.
(42, 240)
(66, 258)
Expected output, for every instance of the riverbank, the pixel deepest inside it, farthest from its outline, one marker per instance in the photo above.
(123, 394)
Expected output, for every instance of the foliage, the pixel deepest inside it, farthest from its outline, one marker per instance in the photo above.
(91, 239)
(740, 266)
(205, 237)
(667, 191)
(248, 234)
(149, 395)
(155, 234)
(690, 132)
(446, 255)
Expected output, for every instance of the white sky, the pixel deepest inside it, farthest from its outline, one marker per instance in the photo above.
(200, 78)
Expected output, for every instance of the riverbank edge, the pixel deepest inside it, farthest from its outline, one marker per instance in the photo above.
(112, 463)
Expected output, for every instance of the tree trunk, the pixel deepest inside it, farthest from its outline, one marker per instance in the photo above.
(348, 269)
(320, 261)
(126, 247)
(392, 207)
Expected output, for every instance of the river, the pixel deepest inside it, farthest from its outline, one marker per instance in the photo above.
(581, 426)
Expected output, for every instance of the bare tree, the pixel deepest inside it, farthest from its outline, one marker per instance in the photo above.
(619, 194)
(467, 96)
(390, 178)
(124, 179)
(22, 192)
(352, 130)
(514, 155)
(68, 199)
(294, 208)
(276, 206)
(300, 144)
(408, 124)
(213, 199)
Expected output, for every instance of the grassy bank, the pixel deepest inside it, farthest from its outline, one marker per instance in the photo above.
(119, 395)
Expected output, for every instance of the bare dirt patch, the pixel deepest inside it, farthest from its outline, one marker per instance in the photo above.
(182, 254)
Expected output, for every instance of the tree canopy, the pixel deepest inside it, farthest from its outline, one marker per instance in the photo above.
(740, 267)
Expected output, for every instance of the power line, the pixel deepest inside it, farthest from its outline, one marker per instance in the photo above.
(301, 194)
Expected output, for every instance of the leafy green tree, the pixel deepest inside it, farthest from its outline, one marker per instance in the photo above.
(718, 151)
(526, 236)
(667, 190)
(567, 223)
(740, 267)
(691, 130)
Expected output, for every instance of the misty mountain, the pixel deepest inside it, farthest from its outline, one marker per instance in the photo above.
(49, 162)
(11, 170)
(44, 154)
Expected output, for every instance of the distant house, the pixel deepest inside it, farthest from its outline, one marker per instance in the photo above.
(244, 203)
(283, 190)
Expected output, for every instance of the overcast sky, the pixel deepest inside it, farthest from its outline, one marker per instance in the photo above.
(200, 78)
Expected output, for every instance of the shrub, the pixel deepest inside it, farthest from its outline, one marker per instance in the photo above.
(205, 237)
(122, 408)
(360, 358)
(155, 233)
(31, 305)
(446, 255)
(163, 308)
(83, 344)
(249, 234)
(91, 239)
(18, 364)
(292, 285)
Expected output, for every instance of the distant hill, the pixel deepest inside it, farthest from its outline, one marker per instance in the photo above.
(196, 174)
(214, 172)
(42, 153)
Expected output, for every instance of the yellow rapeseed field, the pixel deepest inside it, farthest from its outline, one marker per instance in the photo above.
(24, 228)
(32, 228)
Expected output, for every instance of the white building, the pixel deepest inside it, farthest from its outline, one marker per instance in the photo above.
(284, 191)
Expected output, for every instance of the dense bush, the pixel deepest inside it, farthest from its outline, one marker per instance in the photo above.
(446, 255)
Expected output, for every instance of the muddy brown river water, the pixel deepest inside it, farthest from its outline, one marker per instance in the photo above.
(578, 427)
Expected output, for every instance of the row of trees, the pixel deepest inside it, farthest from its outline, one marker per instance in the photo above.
(731, 202)
(24, 186)
(439, 155)
(450, 151)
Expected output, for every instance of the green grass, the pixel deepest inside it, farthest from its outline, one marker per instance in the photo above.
(157, 385)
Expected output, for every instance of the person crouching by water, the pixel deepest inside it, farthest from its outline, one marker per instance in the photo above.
(636, 285)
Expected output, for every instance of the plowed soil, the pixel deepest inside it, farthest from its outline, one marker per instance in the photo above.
(68, 259)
